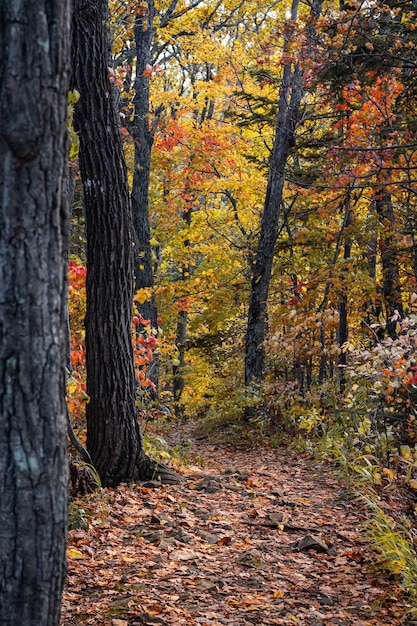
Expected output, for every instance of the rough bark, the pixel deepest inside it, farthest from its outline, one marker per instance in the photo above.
(343, 333)
(113, 437)
(289, 103)
(114, 440)
(143, 136)
(34, 228)
(177, 370)
(288, 110)
(391, 291)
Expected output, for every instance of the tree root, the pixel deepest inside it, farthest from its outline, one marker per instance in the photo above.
(154, 470)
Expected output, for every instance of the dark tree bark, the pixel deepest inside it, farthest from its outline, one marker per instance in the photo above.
(178, 381)
(177, 370)
(343, 334)
(391, 291)
(289, 104)
(288, 110)
(114, 440)
(113, 436)
(143, 130)
(290, 99)
(143, 136)
(34, 230)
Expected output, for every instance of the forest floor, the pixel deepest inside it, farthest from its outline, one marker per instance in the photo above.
(254, 537)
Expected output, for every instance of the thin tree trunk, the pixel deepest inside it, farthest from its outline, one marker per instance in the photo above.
(113, 435)
(34, 231)
(343, 300)
(143, 136)
(177, 370)
(178, 382)
(391, 291)
(289, 104)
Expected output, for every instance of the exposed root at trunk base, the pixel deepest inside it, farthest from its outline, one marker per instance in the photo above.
(153, 470)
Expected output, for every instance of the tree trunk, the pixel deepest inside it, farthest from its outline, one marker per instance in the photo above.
(177, 370)
(373, 307)
(113, 435)
(289, 104)
(143, 136)
(343, 333)
(178, 381)
(391, 291)
(34, 230)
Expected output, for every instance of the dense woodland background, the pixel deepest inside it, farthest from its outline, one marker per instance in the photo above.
(271, 158)
(243, 247)
(219, 104)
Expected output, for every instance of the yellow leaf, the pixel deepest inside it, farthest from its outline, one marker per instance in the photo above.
(253, 607)
(75, 554)
(73, 96)
(143, 295)
(154, 242)
(72, 385)
(74, 150)
(413, 483)
(278, 594)
(388, 472)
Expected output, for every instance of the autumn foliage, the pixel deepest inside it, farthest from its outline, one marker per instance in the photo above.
(340, 348)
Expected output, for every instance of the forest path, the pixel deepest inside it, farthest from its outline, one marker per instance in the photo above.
(257, 537)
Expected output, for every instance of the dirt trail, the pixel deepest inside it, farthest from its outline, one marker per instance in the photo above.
(255, 538)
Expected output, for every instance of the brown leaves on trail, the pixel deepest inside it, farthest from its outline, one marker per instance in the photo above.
(257, 539)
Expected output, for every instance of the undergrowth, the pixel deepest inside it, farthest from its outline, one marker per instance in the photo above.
(393, 540)
(369, 432)
(363, 418)
(382, 475)
(159, 449)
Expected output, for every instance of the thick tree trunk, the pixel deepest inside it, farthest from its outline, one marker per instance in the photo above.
(113, 436)
(34, 228)
(114, 439)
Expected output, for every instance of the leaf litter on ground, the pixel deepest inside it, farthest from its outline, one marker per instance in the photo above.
(259, 537)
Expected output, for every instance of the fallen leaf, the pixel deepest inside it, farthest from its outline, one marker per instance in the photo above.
(182, 555)
(73, 553)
